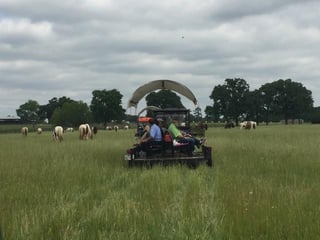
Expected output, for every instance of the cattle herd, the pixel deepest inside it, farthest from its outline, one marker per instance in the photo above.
(85, 131)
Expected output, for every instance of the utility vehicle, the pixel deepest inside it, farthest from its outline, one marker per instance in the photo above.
(169, 151)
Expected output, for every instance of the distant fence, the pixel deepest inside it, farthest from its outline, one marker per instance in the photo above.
(16, 128)
(292, 121)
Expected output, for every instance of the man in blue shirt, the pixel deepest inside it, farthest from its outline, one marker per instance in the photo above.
(154, 133)
(154, 138)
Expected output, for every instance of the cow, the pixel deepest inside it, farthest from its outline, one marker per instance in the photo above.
(126, 127)
(248, 125)
(94, 130)
(57, 134)
(69, 129)
(229, 125)
(24, 131)
(39, 130)
(85, 132)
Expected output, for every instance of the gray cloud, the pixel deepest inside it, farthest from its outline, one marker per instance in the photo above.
(70, 48)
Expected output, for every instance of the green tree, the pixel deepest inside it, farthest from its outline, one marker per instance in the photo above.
(287, 98)
(268, 92)
(106, 105)
(197, 114)
(294, 100)
(71, 114)
(29, 111)
(254, 104)
(219, 108)
(315, 115)
(47, 110)
(210, 114)
(229, 99)
(164, 99)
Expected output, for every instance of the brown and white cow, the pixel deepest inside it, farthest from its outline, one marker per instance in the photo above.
(24, 131)
(248, 125)
(57, 134)
(85, 132)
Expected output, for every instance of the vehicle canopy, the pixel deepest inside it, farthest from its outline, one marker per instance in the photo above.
(160, 84)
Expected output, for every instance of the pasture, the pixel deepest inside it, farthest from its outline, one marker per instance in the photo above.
(264, 185)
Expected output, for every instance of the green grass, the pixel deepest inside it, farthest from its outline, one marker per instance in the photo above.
(264, 186)
(267, 183)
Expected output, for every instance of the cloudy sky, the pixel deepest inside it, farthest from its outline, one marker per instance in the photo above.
(70, 48)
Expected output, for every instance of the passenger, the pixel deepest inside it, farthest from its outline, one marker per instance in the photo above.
(146, 131)
(162, 125)
(153, 138)
(182, 137)
(154, 132)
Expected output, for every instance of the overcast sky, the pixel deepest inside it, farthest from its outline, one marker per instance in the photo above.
(70, 48)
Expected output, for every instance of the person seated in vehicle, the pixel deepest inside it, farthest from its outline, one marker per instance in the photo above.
(146, 131)
(162, 125)
(181, 136)
(153, 138)
(140, 130)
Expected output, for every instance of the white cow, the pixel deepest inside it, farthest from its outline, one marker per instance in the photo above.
(85, 132)
(24, 131)
(248, 125)
(57, 134)
(39, 130)
(69, 129)
(126, 127)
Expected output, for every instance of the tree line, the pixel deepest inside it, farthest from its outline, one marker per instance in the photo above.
(232, 101)
(275, 101)
(105, 106)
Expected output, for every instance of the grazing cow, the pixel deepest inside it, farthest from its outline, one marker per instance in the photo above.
(108, 128)
(57, 134)
(126, 127)
(229, 125)
(85, 132)
(94, 130)
(39, 130)
(69, 129)
(248, 125)
(24, 131)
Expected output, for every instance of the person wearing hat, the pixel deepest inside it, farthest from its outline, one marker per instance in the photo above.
(153, 138)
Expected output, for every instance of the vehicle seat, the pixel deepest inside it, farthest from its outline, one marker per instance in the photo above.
(173, 145)
(154, 148)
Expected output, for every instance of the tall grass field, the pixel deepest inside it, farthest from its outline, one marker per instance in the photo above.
(265, 184)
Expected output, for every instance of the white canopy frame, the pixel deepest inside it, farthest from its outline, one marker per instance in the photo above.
(141, 91)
